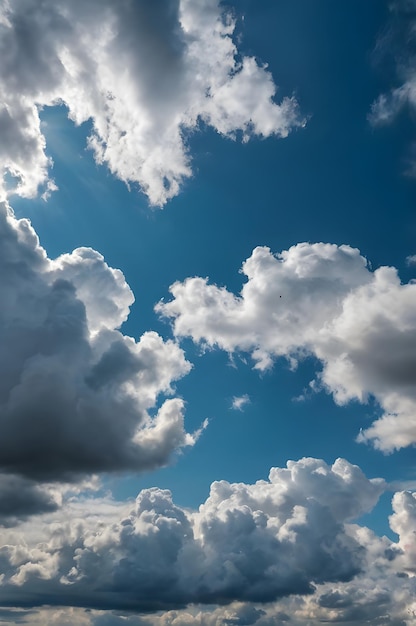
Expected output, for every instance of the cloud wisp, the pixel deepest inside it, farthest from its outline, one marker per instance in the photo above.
(322, 300)
(145, 74)
(399, 44)
(240, 402)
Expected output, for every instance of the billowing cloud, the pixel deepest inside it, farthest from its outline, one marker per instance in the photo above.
(145, 74)
(322, 300)
(76, 395)
(246, 543)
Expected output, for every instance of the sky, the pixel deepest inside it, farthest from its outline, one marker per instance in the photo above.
(207, 312)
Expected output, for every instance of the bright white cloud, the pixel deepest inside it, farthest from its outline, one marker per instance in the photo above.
(257, 542)
(322, 300)
(146, 74)
(76, 395)
(239, 402)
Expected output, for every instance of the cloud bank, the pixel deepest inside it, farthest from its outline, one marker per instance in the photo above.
(146, 74)
(246, 543)
(77, 396)
(321, 300)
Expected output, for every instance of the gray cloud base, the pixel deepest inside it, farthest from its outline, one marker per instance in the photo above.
(75, 393)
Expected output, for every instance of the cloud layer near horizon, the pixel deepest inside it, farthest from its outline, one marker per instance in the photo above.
(321, 300)
(75, 392)
(254, 543)
(145, 74)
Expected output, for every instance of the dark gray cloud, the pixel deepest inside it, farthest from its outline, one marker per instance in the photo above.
(20, 498)
(75, 393)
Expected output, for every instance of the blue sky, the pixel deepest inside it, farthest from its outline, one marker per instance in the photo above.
(197, 167)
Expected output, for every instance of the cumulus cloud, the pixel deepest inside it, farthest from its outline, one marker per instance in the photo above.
(246, 543)
(145, 74)
(76, 394)
(322, 300)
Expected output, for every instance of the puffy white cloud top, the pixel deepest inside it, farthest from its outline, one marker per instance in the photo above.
(76, 394)
(145, 74)
(254, 542)
(322, 300)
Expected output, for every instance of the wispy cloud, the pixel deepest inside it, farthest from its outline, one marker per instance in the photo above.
(240, 402)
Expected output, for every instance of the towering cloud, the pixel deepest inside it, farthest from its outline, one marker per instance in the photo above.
(76, 395)
(145, 74)
(322, 300)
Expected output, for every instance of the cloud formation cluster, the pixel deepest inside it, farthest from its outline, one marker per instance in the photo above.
(77, 396)
(247, 543)
(145, 74)
(322, 300)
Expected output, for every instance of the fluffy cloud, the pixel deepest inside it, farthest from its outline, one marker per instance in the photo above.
(75, 393)
(322, 300)
(256, 542)
(146, 74)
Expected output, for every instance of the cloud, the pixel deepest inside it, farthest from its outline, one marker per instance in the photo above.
(322, 300)
(411, 259)
(398, 44)
(145, 74)
(246, 543)
(239, 402)
(76, 394)
(21, 497)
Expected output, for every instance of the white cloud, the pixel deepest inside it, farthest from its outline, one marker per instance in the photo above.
(146, 74)
(258, 542)
(239, 402)
(322, 300)
(76, 395)
(411, 259)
